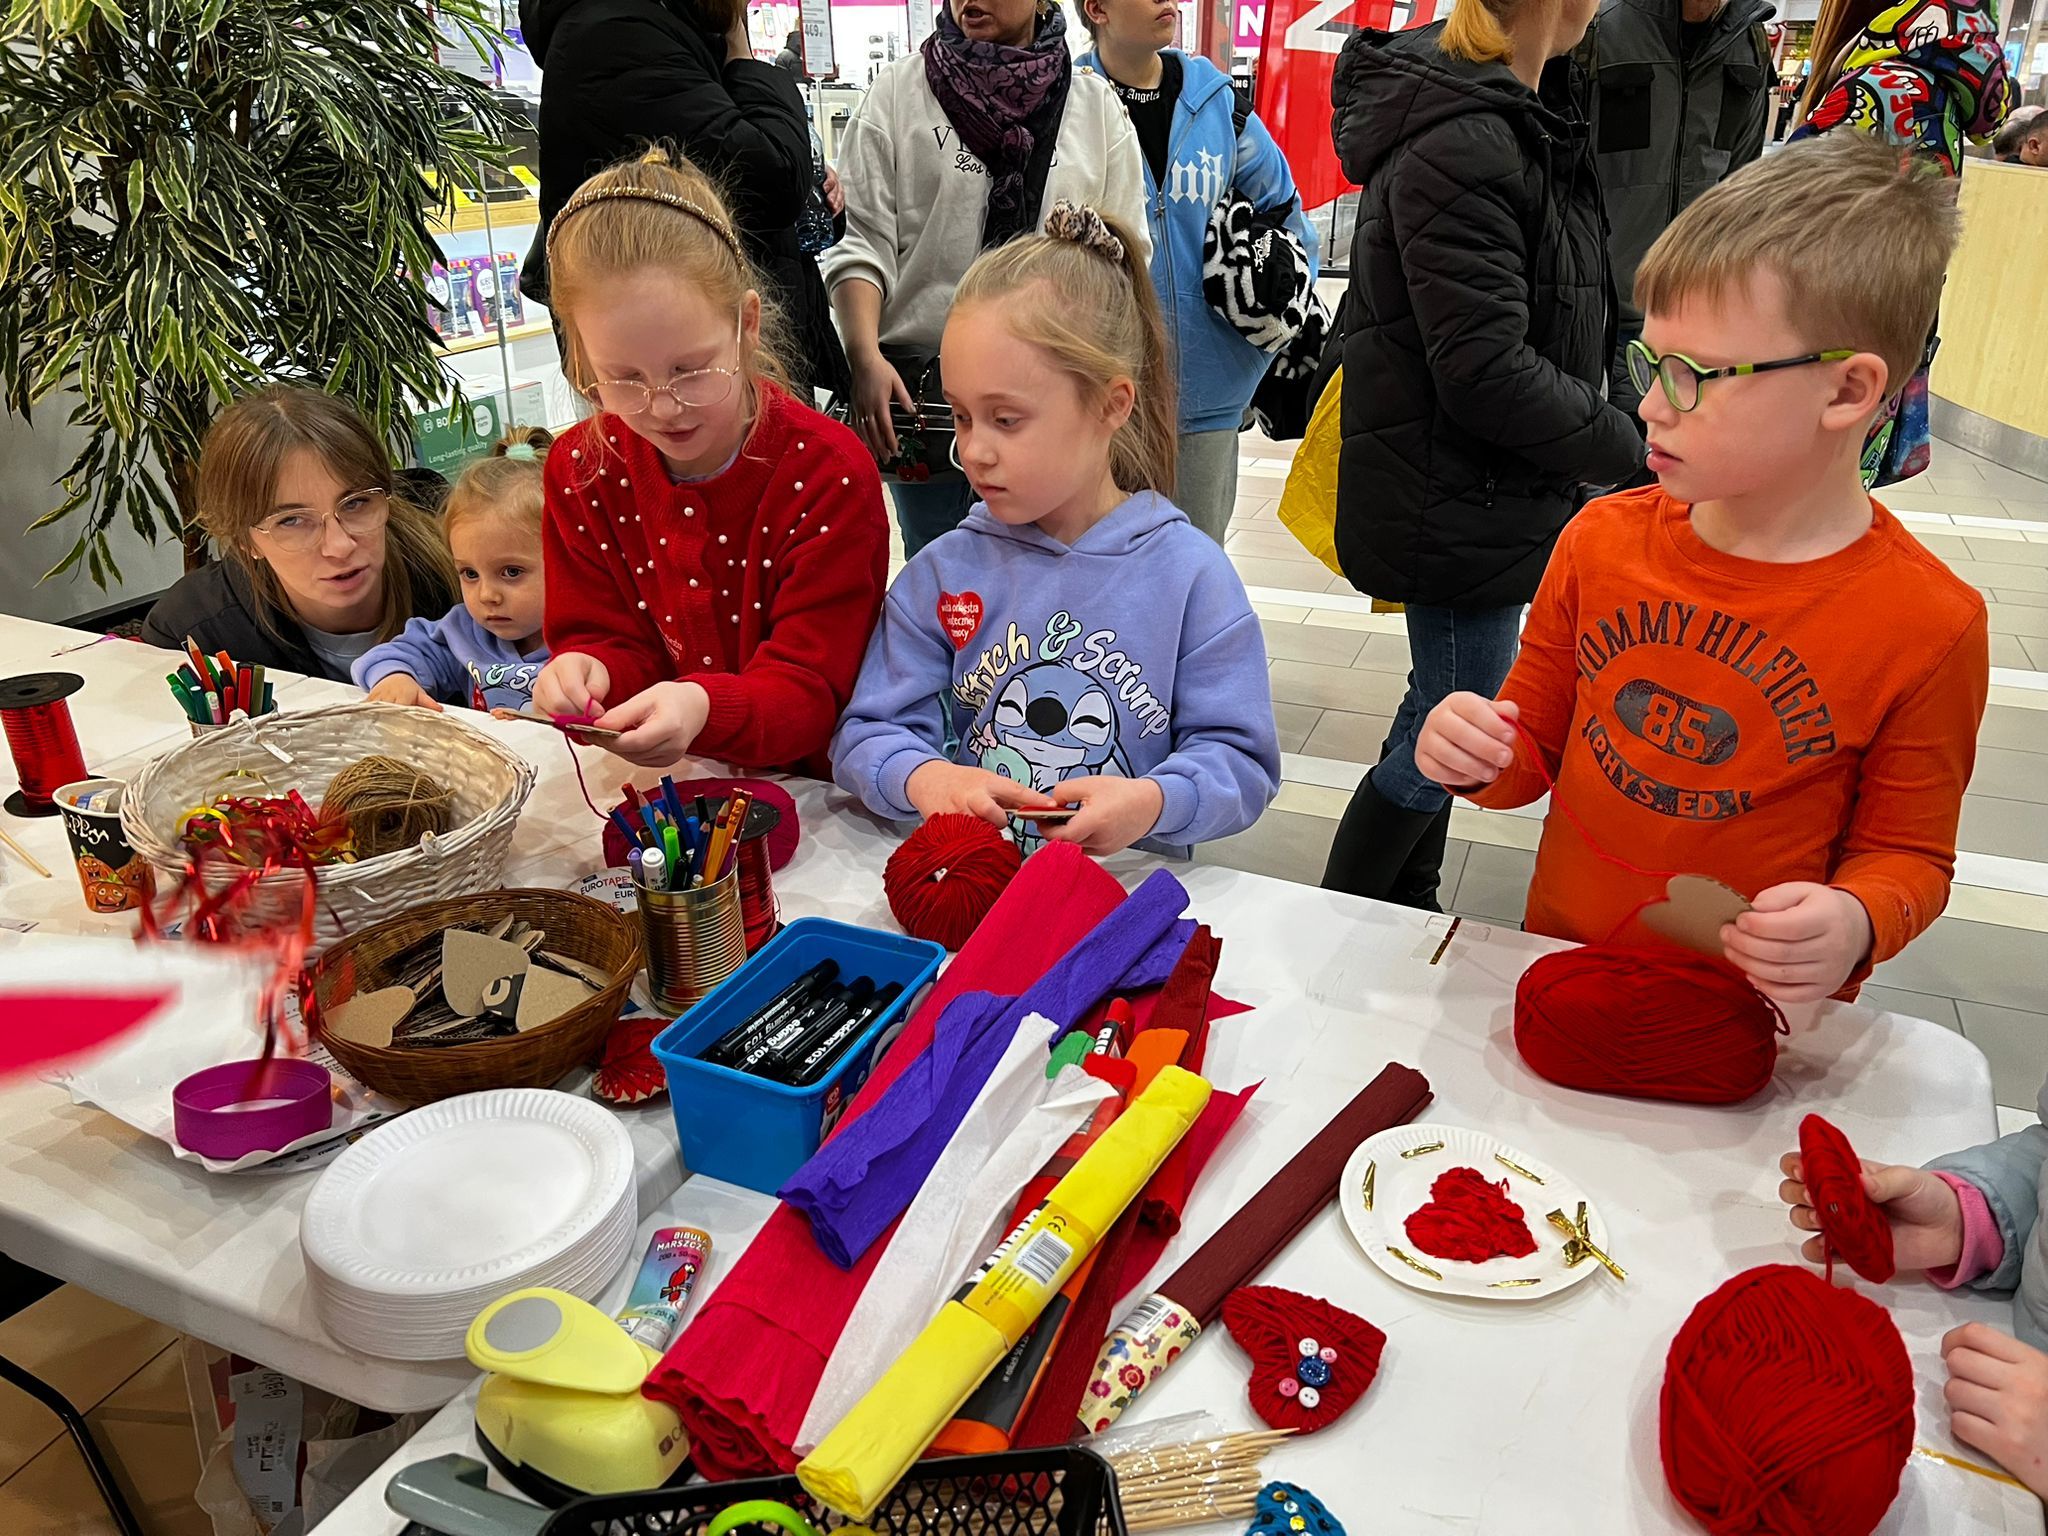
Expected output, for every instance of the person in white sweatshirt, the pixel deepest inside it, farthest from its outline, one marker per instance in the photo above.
(957, 149)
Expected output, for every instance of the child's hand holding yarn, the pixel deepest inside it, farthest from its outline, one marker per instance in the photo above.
(940, 788)
(1114, 813)
(657, 726)
(402, 688)
(1468, 740)
(1799, 942)
(571, 684)
(1926, 1216)
(1997, 1396)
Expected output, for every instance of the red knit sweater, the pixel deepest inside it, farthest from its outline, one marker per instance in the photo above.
(761, 584)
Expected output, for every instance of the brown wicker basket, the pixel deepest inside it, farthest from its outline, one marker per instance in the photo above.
(577, 926)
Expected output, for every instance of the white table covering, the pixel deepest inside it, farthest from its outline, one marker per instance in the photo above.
(1530, 1418)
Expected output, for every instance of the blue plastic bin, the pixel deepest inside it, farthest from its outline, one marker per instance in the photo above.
(746, 1129)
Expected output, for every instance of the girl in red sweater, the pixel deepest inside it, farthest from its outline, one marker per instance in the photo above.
(716, 549)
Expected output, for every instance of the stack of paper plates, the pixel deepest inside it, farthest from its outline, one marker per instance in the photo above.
(421, 1225)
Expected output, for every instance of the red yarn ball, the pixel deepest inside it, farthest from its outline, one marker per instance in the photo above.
(1787, 1407)
(1851, 1224)
(1646, 1023)
(946, 876)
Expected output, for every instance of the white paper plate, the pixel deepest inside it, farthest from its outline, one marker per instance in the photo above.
(466, 1195)
(1401, 1186)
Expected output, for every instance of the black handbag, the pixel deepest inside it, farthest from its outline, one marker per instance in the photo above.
(924, 436)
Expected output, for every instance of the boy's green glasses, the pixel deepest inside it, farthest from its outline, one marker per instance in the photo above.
(1682, 377)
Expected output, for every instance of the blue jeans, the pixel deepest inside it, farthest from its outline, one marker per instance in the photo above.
(930, 508)
(1450, 650)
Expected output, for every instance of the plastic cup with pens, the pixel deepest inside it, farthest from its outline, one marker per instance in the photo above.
(215, 691)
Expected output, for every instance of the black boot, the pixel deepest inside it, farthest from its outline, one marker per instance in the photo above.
(1416, 885)
(1375, 843)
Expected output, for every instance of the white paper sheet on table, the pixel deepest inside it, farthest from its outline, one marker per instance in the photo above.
(1017, 1122)
(212, 1018)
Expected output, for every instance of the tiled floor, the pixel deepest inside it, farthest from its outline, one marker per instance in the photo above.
(1337, 673)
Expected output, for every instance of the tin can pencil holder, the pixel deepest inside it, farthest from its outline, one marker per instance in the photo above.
(694, 938)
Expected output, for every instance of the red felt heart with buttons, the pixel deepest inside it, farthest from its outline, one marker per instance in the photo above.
(959, 616)
(1310, 1360)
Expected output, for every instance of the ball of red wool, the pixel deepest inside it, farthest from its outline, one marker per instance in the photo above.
(1787, 1406)
(1646, 1023)
(946, 876)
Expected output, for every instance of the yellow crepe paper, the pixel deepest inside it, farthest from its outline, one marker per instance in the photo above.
(869, 1450)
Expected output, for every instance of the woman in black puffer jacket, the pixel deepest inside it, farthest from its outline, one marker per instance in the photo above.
(1474, 371)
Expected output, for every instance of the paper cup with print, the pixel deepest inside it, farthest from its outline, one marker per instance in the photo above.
(115, 877)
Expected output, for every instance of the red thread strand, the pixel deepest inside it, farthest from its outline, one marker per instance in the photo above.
(1851, 1224)
(1471, 1218)
(1787, 1407)
(44, 744)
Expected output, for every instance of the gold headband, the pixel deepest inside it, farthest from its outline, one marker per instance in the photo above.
(675, 200)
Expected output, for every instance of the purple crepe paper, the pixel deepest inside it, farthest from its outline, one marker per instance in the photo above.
(860, 1181)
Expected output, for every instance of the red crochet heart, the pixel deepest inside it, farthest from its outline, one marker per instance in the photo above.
(1469, 1217)
(1272, 1326)
(1850, 1222)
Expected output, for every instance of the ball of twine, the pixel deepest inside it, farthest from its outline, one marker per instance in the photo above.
(946, 876)
(388, 805)
(1647, 1023)
(1787, 1406)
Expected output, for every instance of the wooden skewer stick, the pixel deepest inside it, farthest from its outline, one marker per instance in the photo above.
(24, 855)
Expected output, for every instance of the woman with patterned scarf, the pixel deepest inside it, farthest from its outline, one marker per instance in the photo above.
(956, 149)
(1928, 76)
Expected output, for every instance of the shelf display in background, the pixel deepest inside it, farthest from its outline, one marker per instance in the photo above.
(446, 441)
(464, 293)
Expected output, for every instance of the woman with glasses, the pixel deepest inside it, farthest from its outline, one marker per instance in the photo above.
(1475, 362)
(321, 556)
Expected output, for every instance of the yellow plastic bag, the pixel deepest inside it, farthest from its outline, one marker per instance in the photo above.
(1308, 507)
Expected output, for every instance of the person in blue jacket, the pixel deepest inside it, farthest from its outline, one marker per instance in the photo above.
(1199, 144)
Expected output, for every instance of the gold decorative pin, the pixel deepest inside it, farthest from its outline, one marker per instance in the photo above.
(1370, 1169)
(1579, 1244)
(1514, 1167)
(1450, 934)
(1413, 1263)
(1509, 1285)
(1426, 1147)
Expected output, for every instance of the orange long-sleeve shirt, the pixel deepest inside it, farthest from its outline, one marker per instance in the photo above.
(1759, 723)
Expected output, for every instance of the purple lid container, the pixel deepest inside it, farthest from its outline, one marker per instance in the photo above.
(284, 1100)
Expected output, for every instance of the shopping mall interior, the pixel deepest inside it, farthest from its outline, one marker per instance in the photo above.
(1338, 661)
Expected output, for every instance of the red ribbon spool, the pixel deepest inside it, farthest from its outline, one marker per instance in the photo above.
(41, 738)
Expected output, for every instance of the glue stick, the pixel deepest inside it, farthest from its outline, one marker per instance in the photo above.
(661, 1291)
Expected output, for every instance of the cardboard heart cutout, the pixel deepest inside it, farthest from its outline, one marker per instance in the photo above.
(369, 1018)
(1851, 1223)
(1693, 912)
(1272, 1325)
(548, 995)
(960, 616)
(470, 962)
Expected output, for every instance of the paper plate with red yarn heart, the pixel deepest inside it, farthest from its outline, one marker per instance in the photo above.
(1504, 1210)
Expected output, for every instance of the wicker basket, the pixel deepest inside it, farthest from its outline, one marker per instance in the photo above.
(303, 751)
(578, 926)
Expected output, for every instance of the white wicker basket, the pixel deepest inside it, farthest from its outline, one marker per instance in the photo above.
(303, 751)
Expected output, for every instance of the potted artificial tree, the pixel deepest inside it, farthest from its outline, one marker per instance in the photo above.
(197, 195)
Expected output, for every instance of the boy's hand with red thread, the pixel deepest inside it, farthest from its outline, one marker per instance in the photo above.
(659, 724)
(1799, 942)
(571, 684)
(1467, 741)
(1926, 1216)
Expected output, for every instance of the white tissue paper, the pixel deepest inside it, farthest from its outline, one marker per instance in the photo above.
(211, 1018)
(1017, 1122)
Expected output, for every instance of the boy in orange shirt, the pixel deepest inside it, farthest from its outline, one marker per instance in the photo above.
(1752, 671)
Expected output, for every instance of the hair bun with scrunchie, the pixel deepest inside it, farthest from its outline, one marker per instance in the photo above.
(1083, 227)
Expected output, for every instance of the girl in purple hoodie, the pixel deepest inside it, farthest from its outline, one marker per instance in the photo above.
(487, 650)
(1076, 657)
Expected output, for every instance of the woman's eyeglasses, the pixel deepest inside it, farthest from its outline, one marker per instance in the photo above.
(361, 513)
(1682, 377)
(695, 390)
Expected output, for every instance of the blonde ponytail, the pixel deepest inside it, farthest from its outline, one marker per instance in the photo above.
(1082, 293)
(1476, 32)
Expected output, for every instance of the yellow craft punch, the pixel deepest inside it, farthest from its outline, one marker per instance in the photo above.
(561, 1413)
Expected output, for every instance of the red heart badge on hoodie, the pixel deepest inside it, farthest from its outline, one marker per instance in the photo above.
(959, 616)
(1310, 1360)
